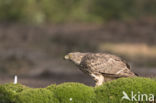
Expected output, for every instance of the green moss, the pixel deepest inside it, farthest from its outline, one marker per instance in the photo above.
(39, 95)
(112, 92)
(9, 91)
(52, 87)
(74, 93)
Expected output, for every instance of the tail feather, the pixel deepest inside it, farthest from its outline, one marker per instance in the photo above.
(119, 75)
(114, 75)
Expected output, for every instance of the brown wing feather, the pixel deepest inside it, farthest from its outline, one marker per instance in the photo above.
(113, 75)
(106, 64)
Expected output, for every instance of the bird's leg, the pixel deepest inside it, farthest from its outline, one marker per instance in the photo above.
(99, 79)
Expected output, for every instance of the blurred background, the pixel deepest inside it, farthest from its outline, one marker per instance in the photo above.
(36, 34)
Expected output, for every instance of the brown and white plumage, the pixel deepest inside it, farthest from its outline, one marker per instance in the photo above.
(101, 67)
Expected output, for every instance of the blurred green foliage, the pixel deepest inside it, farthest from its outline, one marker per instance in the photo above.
(74, 93)
(38, 95)
(110, 92)
(9, 91)
(59, 11)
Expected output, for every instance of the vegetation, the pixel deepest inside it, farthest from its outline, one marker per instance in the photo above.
(54, 11)
(36, 96)
(74, 93)
(110, 92)
(8, 92)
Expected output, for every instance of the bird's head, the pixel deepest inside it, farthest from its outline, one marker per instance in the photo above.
(75, 57)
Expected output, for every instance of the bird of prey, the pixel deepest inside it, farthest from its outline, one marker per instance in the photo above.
(102, 67)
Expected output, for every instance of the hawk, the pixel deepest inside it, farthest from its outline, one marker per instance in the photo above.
(102, 67)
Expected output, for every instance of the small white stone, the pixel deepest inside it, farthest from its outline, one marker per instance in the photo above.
(70, 99)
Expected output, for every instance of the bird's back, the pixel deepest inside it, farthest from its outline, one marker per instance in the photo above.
(106, 64)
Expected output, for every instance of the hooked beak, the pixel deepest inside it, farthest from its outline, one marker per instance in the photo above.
(66, 57)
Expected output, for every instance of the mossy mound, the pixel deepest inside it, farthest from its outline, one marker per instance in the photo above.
(8, 92)
(39, 95)
(52, 87)
(110, 92)
(17, 93)
(74, 93)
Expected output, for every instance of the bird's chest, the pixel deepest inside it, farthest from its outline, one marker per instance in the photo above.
(85, 69)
